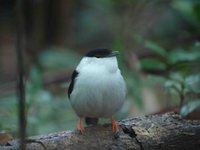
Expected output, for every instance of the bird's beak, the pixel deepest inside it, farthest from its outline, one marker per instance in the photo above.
(113, 53)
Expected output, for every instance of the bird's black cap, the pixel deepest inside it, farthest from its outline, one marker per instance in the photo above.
(101, 53)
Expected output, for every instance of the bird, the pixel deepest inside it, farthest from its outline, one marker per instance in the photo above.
(97, 88)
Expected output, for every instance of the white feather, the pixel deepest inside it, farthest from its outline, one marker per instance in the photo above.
(99, 89)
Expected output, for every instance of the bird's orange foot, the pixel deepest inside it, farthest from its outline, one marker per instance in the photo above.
(80, 126)
(115, 126)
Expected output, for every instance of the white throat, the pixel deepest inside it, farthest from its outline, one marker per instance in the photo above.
(108, 64)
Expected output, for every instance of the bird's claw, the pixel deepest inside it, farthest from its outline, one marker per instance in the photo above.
(115, 126)
(80, 126)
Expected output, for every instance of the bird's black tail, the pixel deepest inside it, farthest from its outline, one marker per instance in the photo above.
(91, 121)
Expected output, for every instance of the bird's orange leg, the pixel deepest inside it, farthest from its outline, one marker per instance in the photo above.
(80, 126)
(115, 126)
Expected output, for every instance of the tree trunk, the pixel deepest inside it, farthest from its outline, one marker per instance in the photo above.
(168, 131)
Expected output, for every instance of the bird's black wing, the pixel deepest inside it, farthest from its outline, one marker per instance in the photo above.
(71, 86)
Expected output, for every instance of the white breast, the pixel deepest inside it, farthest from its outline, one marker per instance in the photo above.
(99, 89)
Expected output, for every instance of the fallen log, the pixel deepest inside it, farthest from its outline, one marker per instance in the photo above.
(154, 132)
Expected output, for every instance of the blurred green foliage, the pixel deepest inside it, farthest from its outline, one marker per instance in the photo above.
(180, 67)
(45, 110)
(55, 58)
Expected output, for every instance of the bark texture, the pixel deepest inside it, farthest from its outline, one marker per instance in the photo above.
(154, 132)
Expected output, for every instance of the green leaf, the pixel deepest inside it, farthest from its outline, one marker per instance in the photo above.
(156, 48)
(152, 64)
(193, 82)
(177, 77)
(175, 82)
(183, 55)
(190, 107)
(171, 84)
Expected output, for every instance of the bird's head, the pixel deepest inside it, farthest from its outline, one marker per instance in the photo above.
(100, 57)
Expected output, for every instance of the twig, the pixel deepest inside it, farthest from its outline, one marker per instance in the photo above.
(20, 84)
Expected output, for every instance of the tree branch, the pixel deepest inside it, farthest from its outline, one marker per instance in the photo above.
(156, 132)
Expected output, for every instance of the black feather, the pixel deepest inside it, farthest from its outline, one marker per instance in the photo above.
(99, 52)
(71, 86)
